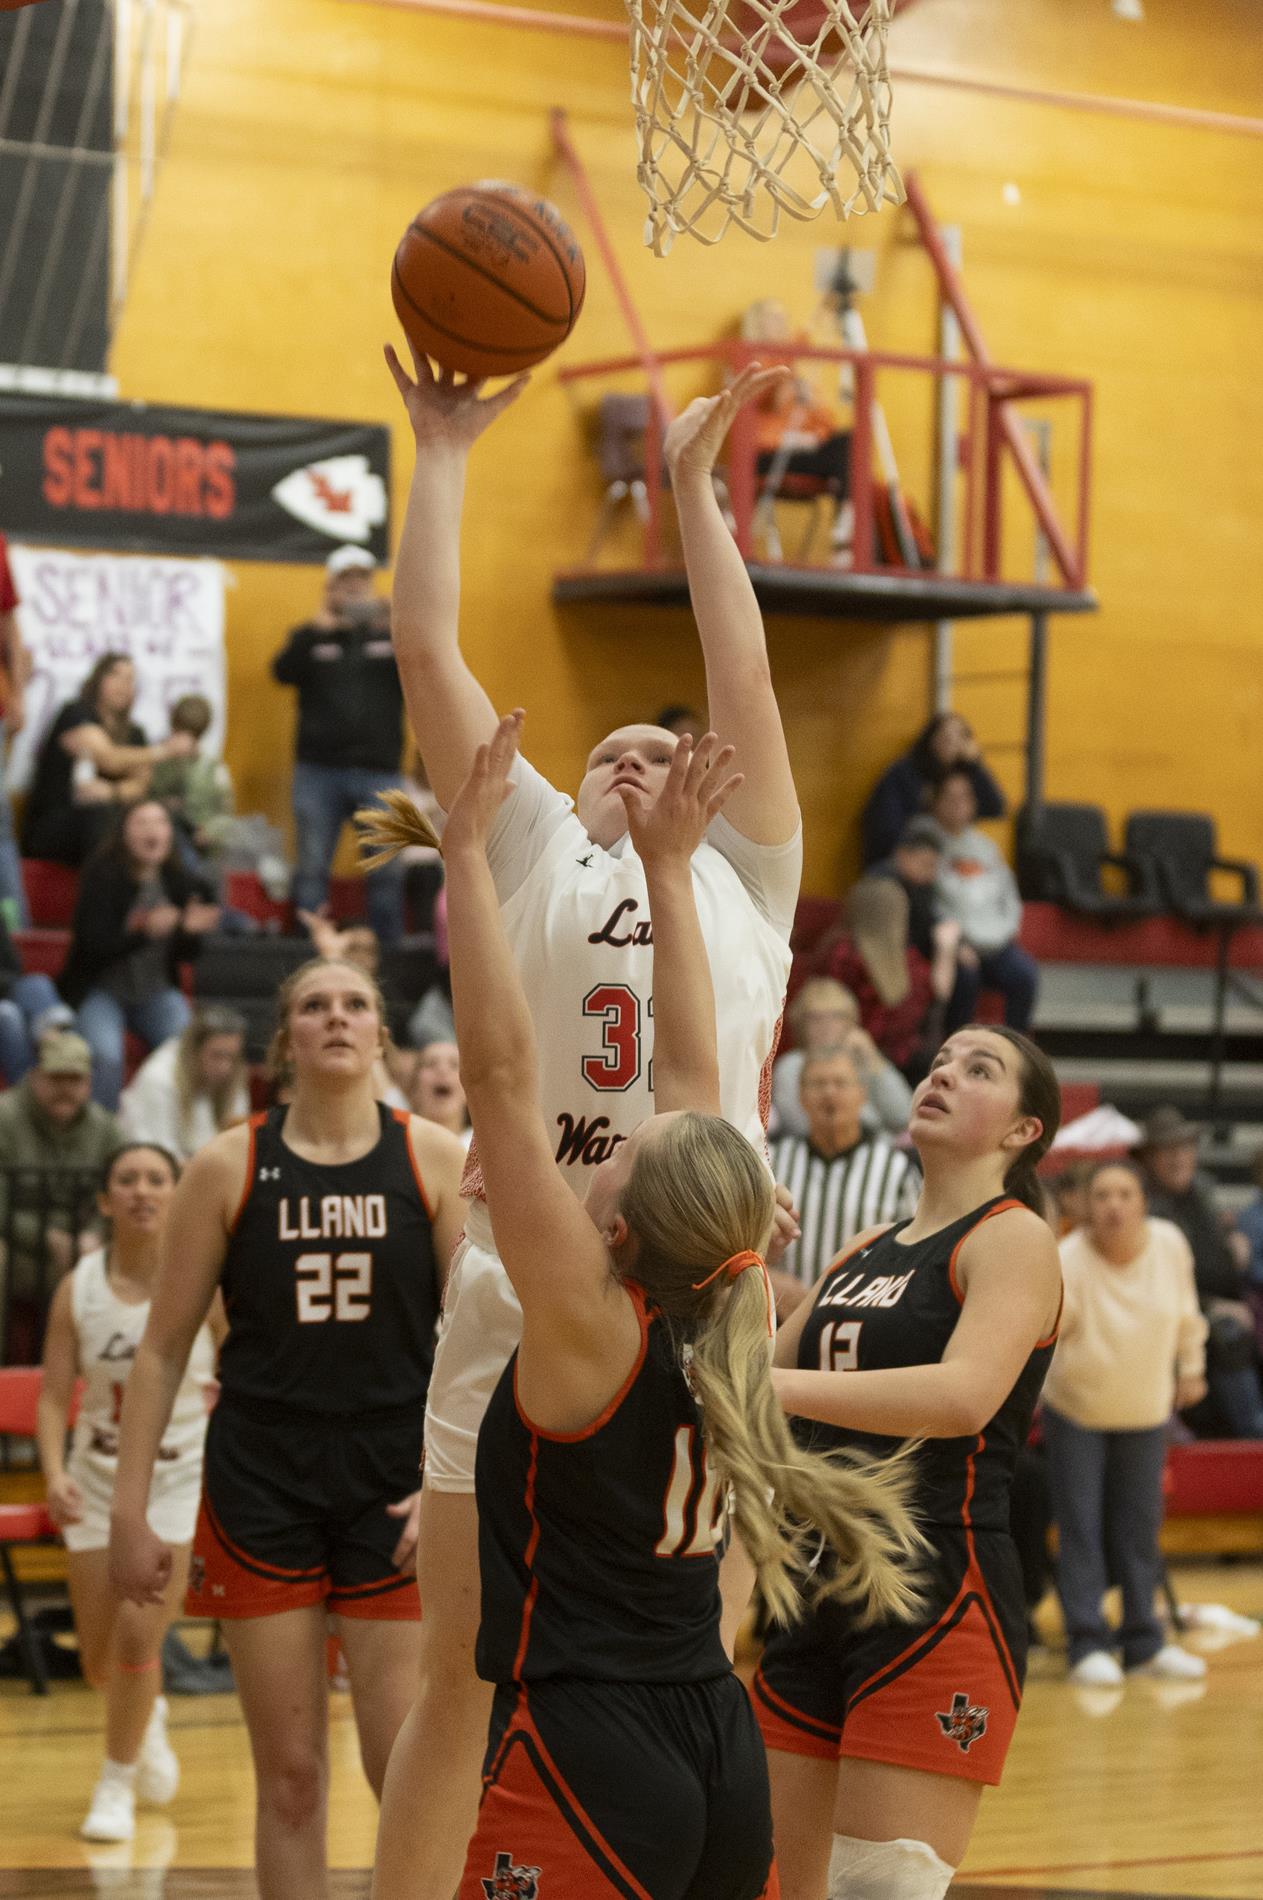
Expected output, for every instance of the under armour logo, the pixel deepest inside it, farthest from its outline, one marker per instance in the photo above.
(269, 1174)
(508, 1882)
(964, 1723)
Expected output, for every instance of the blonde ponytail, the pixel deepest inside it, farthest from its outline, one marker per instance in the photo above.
(391, 826)
(698, 1195)
(781, 1492)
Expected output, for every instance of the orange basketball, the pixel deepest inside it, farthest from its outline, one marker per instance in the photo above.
(488, 279)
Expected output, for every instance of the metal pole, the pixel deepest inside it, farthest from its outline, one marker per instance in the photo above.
(947, 470)
(1036, 711)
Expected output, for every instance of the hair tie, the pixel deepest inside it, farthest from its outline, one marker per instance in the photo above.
(735, 1263)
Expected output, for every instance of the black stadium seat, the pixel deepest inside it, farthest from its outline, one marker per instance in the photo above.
(1177, 852)
(1061, 849)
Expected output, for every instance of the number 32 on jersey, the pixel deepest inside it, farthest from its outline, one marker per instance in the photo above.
(617, 1064)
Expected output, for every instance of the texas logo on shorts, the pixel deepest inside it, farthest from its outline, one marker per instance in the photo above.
(963, 1724)
(508, 1882)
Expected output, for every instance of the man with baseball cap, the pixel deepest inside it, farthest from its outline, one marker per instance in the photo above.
(350, 729)
(53, 1131)
(1167, 1156)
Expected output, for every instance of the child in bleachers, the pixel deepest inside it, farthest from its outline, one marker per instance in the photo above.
(197, 791)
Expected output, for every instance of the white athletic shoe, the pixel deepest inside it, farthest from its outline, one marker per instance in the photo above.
(1173, 1664)
(112, 1816)
(157, 1767)
(1096, 1670)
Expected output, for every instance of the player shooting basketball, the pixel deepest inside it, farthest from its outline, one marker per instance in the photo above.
(575, 906)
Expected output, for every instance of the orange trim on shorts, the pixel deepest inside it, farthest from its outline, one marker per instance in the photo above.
(393, 1600)
(530, 1823)
(791, 1730)
(403, 1117)
(1002, 1207)
(222, 1585)
(254, 1124)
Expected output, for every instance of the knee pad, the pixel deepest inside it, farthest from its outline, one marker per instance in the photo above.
(886, 1870)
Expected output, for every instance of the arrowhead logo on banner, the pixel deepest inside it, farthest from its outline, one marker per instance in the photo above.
(340, 497)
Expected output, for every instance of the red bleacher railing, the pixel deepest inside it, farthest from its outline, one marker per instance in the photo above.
(992, 439)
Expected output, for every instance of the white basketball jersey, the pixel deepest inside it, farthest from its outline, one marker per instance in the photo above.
(580, 930)
(109, 1331)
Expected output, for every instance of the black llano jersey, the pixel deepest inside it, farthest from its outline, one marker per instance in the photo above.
(598, 1548)
(887, 1305)
(329, 1280)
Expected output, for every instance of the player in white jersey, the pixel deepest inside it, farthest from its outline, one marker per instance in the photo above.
(576, 911)
(97, 1318)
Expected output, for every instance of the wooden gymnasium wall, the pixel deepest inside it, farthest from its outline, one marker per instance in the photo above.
(312, 129)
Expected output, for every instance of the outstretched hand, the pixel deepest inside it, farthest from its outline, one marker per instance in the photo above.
(446, 412)
(696, 436)
(479, 799)
(697, 786)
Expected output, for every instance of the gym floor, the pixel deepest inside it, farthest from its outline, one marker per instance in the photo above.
(1149, 1791)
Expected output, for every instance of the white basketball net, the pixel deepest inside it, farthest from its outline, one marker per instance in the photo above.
(738, 126)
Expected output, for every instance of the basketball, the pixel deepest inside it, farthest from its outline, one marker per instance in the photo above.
(488, 280)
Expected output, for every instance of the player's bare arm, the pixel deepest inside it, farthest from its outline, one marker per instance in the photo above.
(665, 835)
(202, 1212)
(61, 1368)
(440, 1160)
(1010, 1277)
(552, 1252)
(739, 690)
(448, 711)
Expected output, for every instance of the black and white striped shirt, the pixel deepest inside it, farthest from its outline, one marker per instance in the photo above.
(865, 1185)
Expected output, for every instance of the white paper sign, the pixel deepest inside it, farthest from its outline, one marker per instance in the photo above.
(166, 614)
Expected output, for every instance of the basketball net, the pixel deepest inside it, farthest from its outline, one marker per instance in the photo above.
(740, 117)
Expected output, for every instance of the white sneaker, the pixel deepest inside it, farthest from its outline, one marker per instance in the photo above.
(1096, 1670)
(112, 1816)
(157, 1767)
(1173, 1664)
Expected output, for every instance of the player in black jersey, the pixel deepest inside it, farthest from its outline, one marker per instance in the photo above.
(623, 1758)
(940, 1328)
(329, 1225)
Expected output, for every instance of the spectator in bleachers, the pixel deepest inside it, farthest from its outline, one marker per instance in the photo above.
(839, 1178)
(350, 730)
(824, 1016)
(198, 794)
(795, 432)
(903, 789)
(28, 1003)
(191, 1088)
(138, 916)
(1250, 1225)
(1131, 1349)
(914, 863)
(1168, 1160)
(1070, 1196)
(15, 670)
(434, 1089)
(891, 981)
(93, 758)
(978, 891)
(60, 1140)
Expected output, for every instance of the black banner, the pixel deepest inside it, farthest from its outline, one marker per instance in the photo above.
(154, 480)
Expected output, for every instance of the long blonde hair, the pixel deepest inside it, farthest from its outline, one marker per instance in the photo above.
(876, 912)
(699, 1195)
(223, 1098)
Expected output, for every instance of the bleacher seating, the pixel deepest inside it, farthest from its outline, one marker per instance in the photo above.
(1062, 850)
(1214, 1498)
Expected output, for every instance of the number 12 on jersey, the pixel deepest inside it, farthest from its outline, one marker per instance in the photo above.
(840, 1346)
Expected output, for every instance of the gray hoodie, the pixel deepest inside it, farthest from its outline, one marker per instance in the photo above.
(978, 890)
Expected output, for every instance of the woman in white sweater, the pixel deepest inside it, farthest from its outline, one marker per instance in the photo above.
(1132, 1349)
(192, 1087)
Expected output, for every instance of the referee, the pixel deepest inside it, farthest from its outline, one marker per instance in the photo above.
(842, 1179)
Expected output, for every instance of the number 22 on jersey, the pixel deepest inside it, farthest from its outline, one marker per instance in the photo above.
(333, 1286)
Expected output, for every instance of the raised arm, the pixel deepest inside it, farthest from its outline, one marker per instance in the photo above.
(448, 711)
(739, 689)
(201, 1214)
(550, 1248)
(685, 1044)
